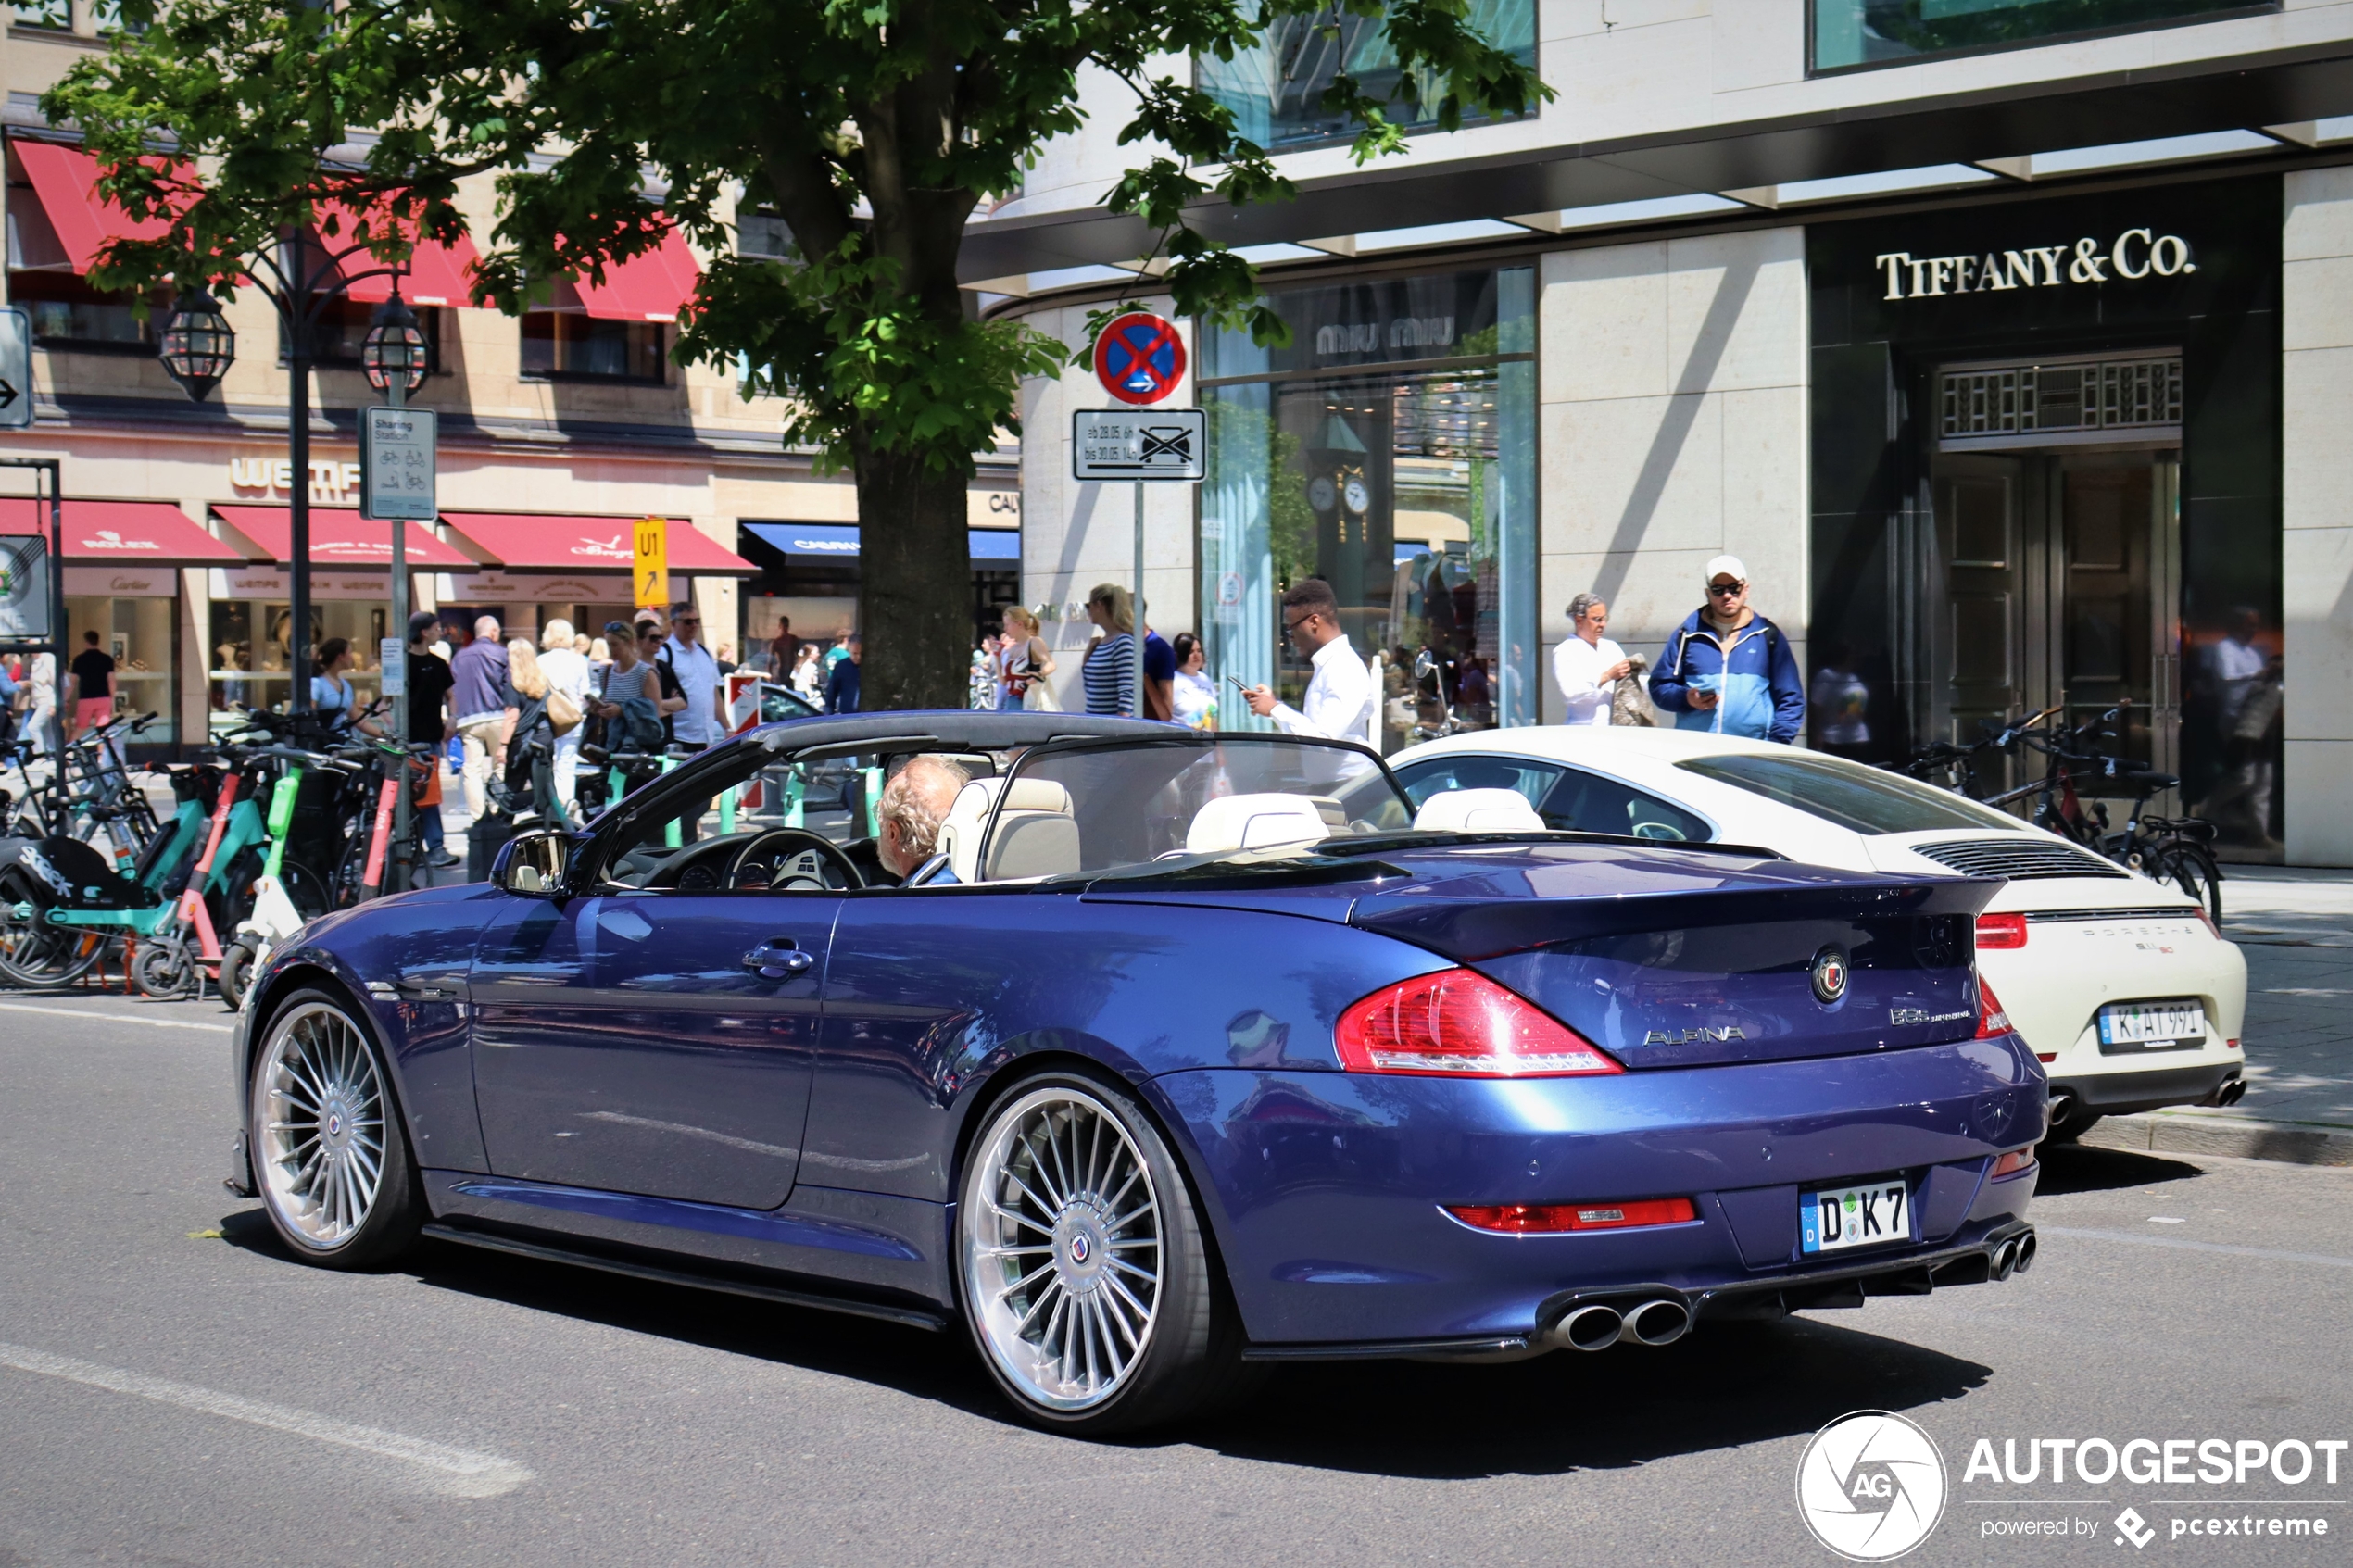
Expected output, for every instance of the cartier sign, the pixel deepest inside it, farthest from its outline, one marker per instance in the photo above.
(2132, 255)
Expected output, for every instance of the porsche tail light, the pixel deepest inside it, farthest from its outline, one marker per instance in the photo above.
(1458, 1023)
(1991, 1019)
(2010, 1164)
(2206, 920)
(1534, 1219)
(2000, 931)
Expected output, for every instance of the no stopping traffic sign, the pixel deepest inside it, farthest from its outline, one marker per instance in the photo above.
(1140, 358)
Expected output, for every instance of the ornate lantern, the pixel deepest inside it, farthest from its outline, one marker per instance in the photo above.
(197, 346)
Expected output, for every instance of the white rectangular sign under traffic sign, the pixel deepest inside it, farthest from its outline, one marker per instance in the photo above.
(397, 463)
(1147, 444)
(16, 369)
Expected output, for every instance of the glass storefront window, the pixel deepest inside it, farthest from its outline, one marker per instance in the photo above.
(246, 675)
(141, 635)
(1391, 450)
(1276, 90)
(1870, 33)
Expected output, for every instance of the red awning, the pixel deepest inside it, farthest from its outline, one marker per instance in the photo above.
(521, 541)
(340, 537)
(65, 179)
(645, 288)
(148, 532)
(438, 274)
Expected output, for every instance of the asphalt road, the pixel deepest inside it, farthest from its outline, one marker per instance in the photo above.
(174, 1389)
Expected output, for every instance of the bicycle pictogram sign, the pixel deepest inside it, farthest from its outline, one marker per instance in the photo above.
(1140, 358)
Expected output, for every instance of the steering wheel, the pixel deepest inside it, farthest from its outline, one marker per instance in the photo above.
(793, 859)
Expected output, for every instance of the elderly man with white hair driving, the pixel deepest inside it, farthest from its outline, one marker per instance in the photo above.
(913, 804)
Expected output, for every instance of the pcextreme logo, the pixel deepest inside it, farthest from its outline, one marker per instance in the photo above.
(1870, 1486)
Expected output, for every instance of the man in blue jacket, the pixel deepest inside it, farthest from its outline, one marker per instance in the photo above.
(1728, 670)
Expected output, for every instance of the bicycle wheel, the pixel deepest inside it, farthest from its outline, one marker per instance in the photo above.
(2193, 869)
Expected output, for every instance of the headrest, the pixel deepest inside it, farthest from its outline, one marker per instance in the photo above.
(1477, 810)
(968, 818)
(1256, 821)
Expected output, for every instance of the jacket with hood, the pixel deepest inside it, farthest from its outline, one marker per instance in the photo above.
(1762, 694)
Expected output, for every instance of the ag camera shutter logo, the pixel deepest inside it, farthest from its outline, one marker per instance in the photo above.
(1870, 1486)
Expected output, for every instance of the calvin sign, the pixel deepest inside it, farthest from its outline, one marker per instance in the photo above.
(2134, 254)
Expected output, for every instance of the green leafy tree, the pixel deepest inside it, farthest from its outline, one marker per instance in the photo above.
(873, 128)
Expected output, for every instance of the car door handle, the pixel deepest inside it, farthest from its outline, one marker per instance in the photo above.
(779, 958)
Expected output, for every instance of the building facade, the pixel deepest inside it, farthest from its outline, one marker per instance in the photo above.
(559, 431)
(2012, 363)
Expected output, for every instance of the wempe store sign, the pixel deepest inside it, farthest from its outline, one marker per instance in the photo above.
(2128, 257)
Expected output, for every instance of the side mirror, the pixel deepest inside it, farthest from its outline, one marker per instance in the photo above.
(532, 863)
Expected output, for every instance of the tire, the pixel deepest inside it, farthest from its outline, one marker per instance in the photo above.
(1087, 1275)
(236, 965)
(34, 954)
(339, 1195)
(164, 970)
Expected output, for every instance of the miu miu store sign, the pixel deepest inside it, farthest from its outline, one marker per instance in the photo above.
(2132, 255)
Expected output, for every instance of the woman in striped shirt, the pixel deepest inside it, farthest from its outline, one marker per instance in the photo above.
(1109, 671)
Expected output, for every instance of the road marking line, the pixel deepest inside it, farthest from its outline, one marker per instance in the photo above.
(469, 1473)
(2184, 1245)
(116, 1017)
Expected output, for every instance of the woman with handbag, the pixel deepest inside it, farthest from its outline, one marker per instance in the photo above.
(531, 744)
(567, 673)
(1023, 663)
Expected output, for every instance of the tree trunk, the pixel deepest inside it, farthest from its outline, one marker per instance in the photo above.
(914, 585)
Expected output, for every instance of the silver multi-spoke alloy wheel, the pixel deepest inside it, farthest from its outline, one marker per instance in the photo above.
(320, 1115)
(1063, 1248)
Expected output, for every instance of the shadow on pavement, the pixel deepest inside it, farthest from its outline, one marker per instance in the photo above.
(1725, 1385)
(2077, 1168)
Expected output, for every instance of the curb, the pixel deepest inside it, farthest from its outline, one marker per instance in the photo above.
(2213, 1135)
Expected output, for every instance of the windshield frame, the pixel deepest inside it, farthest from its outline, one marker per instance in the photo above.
(1185, 739)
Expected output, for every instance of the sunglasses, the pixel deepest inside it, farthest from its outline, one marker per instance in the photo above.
(1723, 588)
(1291, 628)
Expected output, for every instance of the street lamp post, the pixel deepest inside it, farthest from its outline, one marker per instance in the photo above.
(197, 348)
(394, 358)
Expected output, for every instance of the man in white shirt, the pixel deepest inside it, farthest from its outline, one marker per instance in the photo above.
(703, 722)
(1588, 665)
(1339, 694)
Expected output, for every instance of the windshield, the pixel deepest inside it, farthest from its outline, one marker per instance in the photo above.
(1096, 806)
(1862, 799)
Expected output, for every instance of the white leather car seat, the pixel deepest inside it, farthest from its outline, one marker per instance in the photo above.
(1477, 810)
(1036, 836)
(1261, 821)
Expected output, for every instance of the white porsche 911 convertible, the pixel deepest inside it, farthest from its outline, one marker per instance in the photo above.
(2123, 988)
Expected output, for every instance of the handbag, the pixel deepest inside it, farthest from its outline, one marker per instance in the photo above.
(563, 712)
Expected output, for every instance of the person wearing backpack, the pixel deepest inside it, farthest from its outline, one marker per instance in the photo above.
(1728, 670)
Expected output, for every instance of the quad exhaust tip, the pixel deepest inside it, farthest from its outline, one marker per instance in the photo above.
(1656, 1322)
(1590, 1328)
(2023, 1257)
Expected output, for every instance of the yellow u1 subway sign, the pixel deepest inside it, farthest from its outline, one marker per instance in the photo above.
(650, 572)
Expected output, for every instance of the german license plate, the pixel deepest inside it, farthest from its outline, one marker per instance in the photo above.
(1838, 1218)
(2151, 1027)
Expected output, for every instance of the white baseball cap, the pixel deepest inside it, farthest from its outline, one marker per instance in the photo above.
(1724, 566)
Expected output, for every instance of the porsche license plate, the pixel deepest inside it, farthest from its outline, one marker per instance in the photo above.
(2126, 1027)
(1837, 1218)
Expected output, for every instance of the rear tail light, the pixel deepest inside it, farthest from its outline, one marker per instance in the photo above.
(2010, 1164)
(1995, 933)
(2206, 920)
(1458, 1023)
(1991, 1019)
(1530, 1219)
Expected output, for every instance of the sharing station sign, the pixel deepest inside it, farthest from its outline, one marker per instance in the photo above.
(1139, 360)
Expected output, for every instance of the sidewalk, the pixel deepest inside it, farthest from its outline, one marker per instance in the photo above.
(2295, 928)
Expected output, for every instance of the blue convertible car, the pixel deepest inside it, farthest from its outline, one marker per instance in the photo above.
(1181, 1054)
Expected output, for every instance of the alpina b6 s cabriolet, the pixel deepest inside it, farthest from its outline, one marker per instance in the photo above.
(1183, 1053)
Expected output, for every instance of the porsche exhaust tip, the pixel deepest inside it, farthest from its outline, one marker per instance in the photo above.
(1656, 1322)
(1590, 1328)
